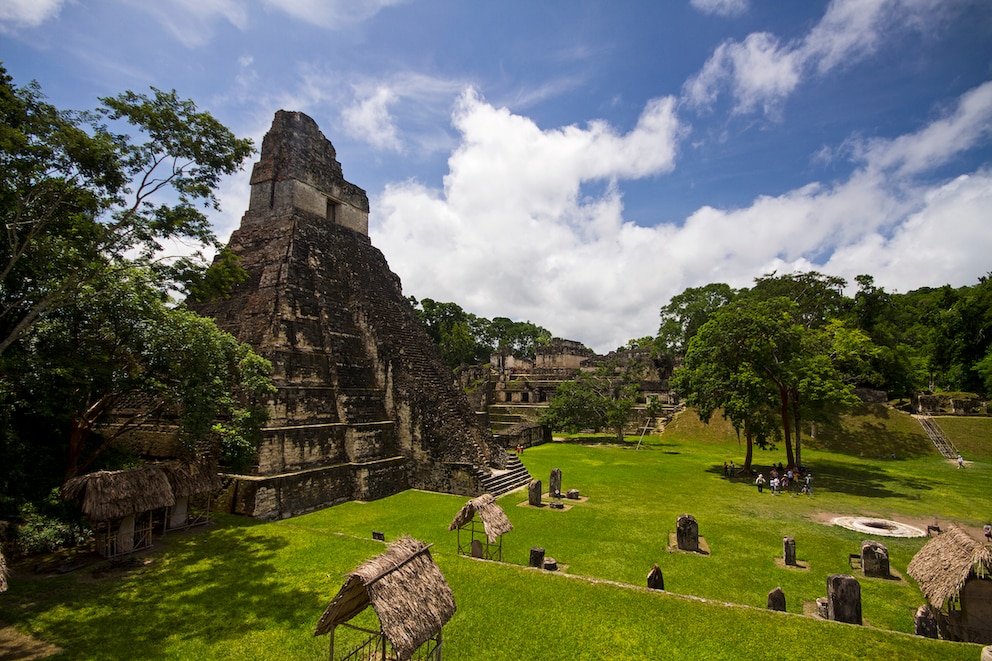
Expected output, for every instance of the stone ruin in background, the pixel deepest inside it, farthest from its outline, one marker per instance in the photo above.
(365, 407)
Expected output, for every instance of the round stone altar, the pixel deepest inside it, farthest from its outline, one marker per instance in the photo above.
(876, 526)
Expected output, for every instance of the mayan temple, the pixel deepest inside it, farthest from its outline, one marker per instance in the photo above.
(365, 407)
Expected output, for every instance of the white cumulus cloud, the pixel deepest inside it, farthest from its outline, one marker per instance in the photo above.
(192, 22)
(369, 120)
(721, 7)
(332, 14)
(530, 223)
(760, 72)
(27, 13)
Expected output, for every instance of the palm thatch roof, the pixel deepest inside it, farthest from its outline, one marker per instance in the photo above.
(3, 573)
(492, 515)
(191, 478)
(109, 495)
(404, 587)
(945, 564)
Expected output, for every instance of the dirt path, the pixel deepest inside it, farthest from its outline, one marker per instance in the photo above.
(15, 646)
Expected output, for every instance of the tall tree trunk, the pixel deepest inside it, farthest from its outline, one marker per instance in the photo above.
(77, 441)
(798, 424)
(750, 450)
(786, 425)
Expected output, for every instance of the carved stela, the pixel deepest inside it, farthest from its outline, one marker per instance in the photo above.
(365, 407)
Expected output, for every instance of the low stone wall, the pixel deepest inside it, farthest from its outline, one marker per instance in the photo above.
(291, 494)
(937, 404)
(525, 435)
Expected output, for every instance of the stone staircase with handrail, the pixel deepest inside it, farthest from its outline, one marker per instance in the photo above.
(937, 436)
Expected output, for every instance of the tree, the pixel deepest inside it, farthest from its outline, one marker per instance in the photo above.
(596, 400)
(79, 201)
(517, 338)
(818, 297)
(118, 356)
(756, 340)
(466, 339)
(686, 313)
(733, 363)
(86, 324)
(807, 378)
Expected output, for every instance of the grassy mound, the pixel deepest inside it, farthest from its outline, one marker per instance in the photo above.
(873, 430)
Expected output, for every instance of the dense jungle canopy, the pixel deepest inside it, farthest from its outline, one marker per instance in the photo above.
(94, 205)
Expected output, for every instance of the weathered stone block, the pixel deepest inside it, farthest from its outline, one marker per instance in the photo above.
(789, 551)
(537, 557)
(656, 580)
(844, 597)
(534, 493)
(925, 623)
(554, 484)
(776, 600)
(687, 532)
(874, 559)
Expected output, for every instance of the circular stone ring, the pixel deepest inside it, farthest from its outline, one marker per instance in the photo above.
(872, 526)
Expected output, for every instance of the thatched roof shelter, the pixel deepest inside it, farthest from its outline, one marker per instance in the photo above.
(109, 495)
(947, 562)
(191, 478)
(490, 513)
(405, 588)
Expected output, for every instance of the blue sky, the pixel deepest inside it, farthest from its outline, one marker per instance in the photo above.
(576, 163)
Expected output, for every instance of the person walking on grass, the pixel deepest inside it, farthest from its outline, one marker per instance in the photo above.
(760, 481)
(960, 462)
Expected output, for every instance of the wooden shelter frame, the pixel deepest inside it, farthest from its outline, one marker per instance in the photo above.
(476, 530)
(483, 518)
(197, 514)
(107, 537)
(406, 562)
(376, 647)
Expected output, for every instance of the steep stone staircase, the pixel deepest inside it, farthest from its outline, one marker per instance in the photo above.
(500, 482)
(936, 434)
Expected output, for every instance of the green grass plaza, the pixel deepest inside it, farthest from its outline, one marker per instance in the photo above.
(244, 589)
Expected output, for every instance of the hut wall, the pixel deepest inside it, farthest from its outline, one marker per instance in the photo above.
(177, 513)
(972, 622)
(125, 535)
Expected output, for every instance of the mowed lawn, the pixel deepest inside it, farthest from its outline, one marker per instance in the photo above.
(240, 589)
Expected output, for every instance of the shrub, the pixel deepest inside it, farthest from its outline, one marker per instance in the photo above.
(48, 528)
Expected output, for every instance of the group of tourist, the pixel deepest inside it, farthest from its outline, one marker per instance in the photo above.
(782, 479)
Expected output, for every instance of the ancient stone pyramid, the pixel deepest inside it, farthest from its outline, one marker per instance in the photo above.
(365, 406)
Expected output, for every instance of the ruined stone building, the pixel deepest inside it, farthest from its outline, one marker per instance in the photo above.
(365, 407)
(523, 387)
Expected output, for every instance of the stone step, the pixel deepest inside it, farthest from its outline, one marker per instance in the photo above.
(500, 482)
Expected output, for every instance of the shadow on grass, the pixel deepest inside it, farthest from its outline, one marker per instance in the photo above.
(610, 440)
(210, 587)
(868, 481)
(876, 429)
